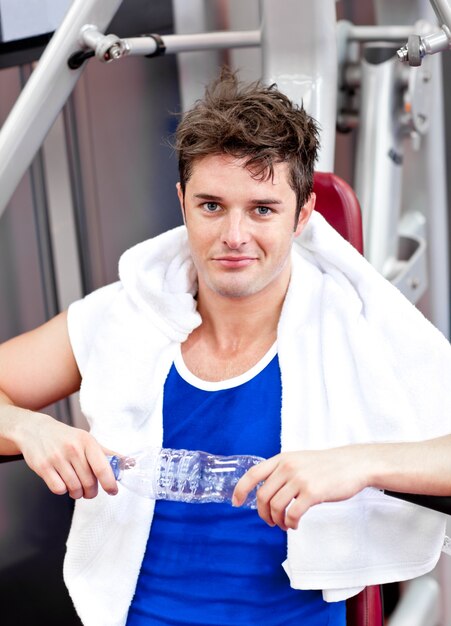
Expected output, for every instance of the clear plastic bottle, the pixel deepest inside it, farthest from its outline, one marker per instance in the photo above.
(183, 475)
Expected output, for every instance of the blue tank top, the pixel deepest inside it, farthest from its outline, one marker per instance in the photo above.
(212, 564)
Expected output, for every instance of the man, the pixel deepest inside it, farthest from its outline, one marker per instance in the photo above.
(222, 336)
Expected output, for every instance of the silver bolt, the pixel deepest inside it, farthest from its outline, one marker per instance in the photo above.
(114, 53)
(403, 54)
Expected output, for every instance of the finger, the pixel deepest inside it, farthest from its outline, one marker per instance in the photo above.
(45, 470)
(296, 509)
(108, 452)
(74, 469)
(86, 477)
(266, 494)
(54, 482)
(250, 480)
(96, 456)
(58, 475)
(279, 504)
(69, 477)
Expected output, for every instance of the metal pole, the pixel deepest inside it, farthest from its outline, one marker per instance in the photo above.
(146, 45)
(379, 33)
(191, 43)
(45, 93)
(299, 45)
(442, 11)
(379, 157)
(420, 604)
(437, 207)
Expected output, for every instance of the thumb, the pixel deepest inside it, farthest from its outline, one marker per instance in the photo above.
(109, 452)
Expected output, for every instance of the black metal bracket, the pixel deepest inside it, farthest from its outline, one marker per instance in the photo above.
(77, 59)
(160, 49)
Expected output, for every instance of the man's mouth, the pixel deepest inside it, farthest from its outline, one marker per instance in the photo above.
(235, 262)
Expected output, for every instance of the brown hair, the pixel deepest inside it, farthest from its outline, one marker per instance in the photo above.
(255, 122)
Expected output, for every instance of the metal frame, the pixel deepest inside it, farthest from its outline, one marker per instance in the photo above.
(302, 58)
(302, 61)
(400, 178)
(300, 55)
(379, 155)
(306, 59)
(394, 106)
(45, 93)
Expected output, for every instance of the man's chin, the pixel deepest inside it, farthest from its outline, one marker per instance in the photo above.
(235, 291)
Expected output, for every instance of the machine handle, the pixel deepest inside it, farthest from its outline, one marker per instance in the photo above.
(436, 503)
(11, 457)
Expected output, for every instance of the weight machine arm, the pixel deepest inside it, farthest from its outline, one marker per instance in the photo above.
(107, 48)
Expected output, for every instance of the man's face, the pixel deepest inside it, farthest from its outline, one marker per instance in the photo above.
(240, 229)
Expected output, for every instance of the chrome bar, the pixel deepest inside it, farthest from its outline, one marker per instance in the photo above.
(436, 42)
(379, 33)
(190, 43)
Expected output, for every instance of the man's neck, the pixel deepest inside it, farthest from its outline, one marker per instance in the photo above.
(236, 323)
(234, 335)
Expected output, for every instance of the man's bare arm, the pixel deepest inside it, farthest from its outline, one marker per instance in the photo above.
(37, 369)
(295, 481)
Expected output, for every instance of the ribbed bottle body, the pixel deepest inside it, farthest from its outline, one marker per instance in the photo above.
(183, 475)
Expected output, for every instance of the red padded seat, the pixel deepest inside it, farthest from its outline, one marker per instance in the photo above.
(337, 202)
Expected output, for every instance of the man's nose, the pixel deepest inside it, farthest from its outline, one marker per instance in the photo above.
(235, 230)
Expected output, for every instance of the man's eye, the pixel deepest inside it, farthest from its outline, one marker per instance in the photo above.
(263, 210)
(211, 207)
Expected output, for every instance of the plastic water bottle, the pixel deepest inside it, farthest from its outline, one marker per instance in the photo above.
(184, 475)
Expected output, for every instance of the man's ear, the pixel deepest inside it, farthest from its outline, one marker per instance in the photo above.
(305, 214)
(181, 200)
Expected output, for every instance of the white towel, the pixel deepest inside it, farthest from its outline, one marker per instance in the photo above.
(378, 371)
(358, 363)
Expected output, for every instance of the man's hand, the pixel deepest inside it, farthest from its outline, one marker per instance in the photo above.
(67, 459)
(38, 368)
(295, 481)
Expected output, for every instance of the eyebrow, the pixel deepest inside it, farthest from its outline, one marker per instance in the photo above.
(211, 198)
(207, 196)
